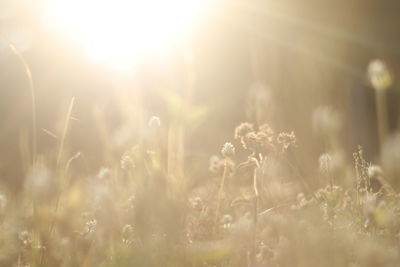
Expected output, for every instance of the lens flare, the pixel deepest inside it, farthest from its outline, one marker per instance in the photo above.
(121, 32)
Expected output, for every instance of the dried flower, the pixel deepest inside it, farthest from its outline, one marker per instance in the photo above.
(261, 141)
(249, 141)
(127, 233)
(228, 150)
(267, 130)
(286, 140)
(90, 226)
(243, 129)
(325, 163)
(127, 162)
(330, 195)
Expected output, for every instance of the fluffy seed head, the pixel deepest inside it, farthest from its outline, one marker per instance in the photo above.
(325, 163)
(379, 75)
(228, 150)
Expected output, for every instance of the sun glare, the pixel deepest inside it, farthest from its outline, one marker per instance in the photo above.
(121, 32)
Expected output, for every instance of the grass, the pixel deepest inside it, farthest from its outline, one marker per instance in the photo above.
(251, 213)
(256, 207)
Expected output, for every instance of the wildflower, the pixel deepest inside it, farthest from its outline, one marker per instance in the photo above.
(154, 122)
(197, 203)
(25, 238)
(330, 195)
(90, 226)
(127, 162)
(370, 200)
(127, 233)
(379, 75)
(265, 253)
(226, 221)
(325, 163)
(267, 130)
(261, 141)
(286, 140)
(228, 150)
(249, 141)
(243, 129)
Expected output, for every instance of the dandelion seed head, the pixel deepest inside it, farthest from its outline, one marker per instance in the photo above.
(379, 75)
(228, 150)
(325, 163)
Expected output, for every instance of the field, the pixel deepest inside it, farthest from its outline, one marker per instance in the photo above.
(226, 135)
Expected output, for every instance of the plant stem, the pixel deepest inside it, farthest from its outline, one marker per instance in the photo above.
(255, 215)
(65, 130)
(221, 191)
(382, 116)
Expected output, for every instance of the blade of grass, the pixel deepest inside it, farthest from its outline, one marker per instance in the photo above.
(28, 73)
(65, 130)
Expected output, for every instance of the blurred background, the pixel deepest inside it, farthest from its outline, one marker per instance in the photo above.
(293, 64)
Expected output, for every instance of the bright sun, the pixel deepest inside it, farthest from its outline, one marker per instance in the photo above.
(121, 32)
